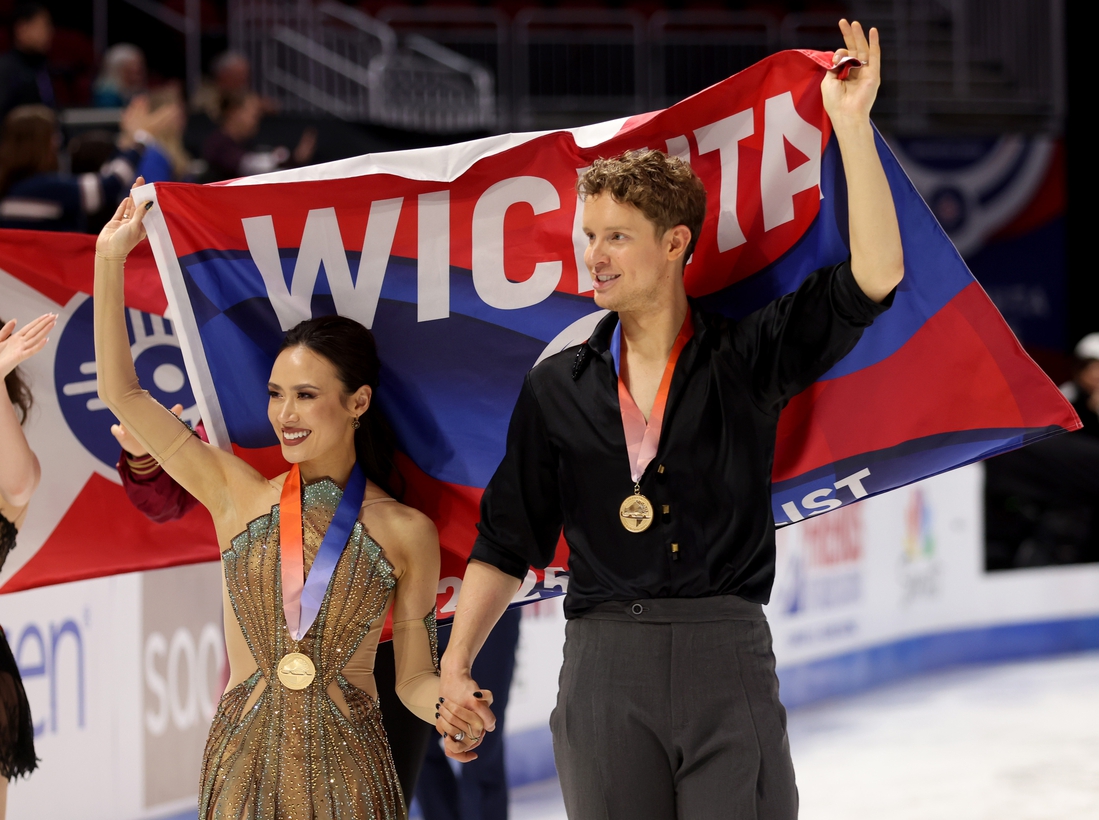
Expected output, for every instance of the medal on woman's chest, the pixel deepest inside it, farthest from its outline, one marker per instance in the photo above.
(302, 597)
(636, 512)
(296, 671)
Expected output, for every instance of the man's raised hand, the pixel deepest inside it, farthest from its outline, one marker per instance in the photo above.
(848, 101)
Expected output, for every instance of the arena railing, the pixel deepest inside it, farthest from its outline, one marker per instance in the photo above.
(338, 60)
(969, 65)
(480, 34)
(692, 50)
(576, 65)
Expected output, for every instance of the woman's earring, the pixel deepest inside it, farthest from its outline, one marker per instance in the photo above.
(355, 423)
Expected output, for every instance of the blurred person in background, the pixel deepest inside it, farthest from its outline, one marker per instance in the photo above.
(229, 151)
(479, 790)
(1083, 390)
(19, 475)
(34, 194)
(230, 76)
(1042, 501)
(24, 77)
(122, 77)
(165, 159)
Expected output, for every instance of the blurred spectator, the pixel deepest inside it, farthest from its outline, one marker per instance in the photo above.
(165, 159)
(229, 152)
(230, 76)
(478, 790)
(121, 78)
(88, 152)
(24, 78)
(33, 194)
(1042, 501)
(1083, 390)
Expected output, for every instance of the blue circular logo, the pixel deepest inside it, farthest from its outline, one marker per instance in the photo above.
(157, 357)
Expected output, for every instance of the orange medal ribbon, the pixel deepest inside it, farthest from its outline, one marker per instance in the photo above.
(292, 552)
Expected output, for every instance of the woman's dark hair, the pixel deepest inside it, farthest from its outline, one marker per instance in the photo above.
(18, 391)
(351, 349)
(27, 145)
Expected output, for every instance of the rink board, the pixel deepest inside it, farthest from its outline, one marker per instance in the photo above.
(123, 672)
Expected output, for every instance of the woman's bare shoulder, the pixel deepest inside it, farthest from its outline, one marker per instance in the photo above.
(405, 533)
(254, 499)
(13, 514)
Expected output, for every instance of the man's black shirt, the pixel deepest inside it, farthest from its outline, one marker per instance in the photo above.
(710, 483)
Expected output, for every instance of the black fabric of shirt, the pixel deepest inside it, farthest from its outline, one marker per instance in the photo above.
(710, 483)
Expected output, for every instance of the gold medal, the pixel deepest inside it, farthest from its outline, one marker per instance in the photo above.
(636, 512)
(296, 671)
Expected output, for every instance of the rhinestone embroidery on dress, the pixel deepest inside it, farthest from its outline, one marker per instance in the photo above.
(433, 636)
(295, 754)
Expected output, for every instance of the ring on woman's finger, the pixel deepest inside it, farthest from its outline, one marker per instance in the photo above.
(864, 62)
(459, 736)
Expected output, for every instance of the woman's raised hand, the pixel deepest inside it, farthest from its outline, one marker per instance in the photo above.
(124, 231)
(848, 101)
(16, 346)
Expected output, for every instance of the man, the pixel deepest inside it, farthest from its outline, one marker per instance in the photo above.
(227, 150)
(1083, 390)
(24, 76)
(652, 445)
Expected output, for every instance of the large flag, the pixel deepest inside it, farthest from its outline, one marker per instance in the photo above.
(467, 263)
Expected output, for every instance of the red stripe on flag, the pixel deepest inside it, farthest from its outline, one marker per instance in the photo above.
(60, 265)
(103, 534)
(917, 391)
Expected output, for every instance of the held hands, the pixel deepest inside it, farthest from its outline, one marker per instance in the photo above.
(16, 346)
(124, 231)
(463, 716)
(848, 101)
(130, 444)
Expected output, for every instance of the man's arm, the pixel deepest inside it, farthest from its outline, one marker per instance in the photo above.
(877, 259)
(486, 593)
(519, 527)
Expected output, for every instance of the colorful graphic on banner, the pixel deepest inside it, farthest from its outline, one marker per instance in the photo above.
(466, 261)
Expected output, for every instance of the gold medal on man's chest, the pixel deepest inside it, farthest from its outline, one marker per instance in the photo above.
(636, 512)
(296, 671)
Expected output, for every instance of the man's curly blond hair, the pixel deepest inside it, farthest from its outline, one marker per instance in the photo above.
(665, 189)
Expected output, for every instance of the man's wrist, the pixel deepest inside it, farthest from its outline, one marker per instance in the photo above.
(452, 666)
(854, 129)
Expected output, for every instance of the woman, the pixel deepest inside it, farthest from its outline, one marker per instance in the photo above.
(19, 474)
(165, 159)
(122, 77)
(298, 732)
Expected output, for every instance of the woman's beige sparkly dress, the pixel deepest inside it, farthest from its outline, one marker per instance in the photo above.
(321, 752)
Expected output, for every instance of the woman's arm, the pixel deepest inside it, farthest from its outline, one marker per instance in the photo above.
(19, 468)
(877, 259)
(415, 646)
(204, 471)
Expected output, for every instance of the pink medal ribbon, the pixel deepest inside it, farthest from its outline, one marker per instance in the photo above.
(643, 438)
